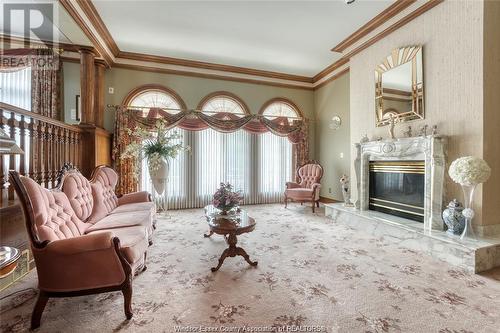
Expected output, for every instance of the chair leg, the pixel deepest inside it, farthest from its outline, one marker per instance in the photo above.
(286, 201)
(313, 205)
(38, 310)
(127, 298)
(317, 203)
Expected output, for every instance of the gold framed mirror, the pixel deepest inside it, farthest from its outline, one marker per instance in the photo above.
(399, 86)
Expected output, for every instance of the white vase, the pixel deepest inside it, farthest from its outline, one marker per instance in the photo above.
(159, 177)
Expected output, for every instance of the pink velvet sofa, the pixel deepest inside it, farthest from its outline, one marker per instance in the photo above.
(307, 190)
(84, 239)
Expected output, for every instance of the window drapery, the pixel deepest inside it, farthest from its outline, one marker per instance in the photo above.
(44, 70)
(255, 153)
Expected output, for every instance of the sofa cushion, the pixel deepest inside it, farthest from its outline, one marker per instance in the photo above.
(79, 192)
(53, 216)
(133, 242)
(126, 219)
(103, 191)
(139, 206)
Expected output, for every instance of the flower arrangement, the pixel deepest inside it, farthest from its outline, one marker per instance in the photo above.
(154, 145)
(469, 170)
(225, 198)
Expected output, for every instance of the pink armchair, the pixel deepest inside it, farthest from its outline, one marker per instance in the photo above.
(308, 189)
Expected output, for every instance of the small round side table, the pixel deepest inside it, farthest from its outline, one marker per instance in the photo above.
(8, 260)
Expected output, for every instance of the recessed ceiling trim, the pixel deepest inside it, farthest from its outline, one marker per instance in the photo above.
(179, 70)
(393, 27)
(93, 15)
(78, 16)
(207, 65)
(382, 34)
(373, 24)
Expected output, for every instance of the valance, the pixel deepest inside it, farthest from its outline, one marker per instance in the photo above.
(296, 130)
(194, 120)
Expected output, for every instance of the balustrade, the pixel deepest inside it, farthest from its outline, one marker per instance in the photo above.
(47, 144)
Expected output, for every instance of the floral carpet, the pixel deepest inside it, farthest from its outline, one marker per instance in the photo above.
(313, 276)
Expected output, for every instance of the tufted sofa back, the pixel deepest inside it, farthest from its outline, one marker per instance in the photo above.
(310, 174)
(103, 186)
(79, 192)
(53, 216)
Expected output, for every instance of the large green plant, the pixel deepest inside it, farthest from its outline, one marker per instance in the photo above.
(154, 145)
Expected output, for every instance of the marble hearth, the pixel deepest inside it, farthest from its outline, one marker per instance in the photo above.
(473, 255)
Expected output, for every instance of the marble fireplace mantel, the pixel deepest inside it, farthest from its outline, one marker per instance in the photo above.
(430, 149)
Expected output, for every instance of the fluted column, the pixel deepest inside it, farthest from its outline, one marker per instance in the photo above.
(87, 85)
(100, 67)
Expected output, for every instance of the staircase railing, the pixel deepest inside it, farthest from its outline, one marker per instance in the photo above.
(47, 144)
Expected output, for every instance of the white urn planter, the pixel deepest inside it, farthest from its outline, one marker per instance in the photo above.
(159, 177)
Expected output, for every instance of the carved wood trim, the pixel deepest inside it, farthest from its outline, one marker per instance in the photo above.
(373, 24)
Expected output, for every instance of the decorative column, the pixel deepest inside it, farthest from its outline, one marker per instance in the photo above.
(100, 67)
(96, 140)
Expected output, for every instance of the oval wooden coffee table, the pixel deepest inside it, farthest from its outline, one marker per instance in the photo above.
(229, 226)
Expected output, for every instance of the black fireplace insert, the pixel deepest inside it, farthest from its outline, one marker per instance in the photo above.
(397, 188)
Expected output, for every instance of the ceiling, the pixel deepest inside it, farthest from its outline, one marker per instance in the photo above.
(292, 37)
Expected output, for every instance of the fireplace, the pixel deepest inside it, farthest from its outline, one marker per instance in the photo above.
(398, 188)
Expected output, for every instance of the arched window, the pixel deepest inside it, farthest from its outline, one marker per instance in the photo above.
(222, 101)
(222, 157)
(157, 96)
(276, 153)
(280, 107)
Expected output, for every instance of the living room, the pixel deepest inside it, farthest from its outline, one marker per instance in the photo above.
(265, 166)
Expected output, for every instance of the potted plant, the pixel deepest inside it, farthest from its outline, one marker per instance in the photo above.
(225, 198)
(158, 147)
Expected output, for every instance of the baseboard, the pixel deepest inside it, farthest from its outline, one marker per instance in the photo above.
(327, 200)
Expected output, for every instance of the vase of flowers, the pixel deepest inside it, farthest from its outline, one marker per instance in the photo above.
(158, 146)
(469, 171)
(225, 198)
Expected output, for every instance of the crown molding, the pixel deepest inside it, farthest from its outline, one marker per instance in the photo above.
(76, 13)
(212, 66)
(401, 22)
(373, 24)
(88, 19)
(211, 75)
(95, 19)
(332, 78)
(398, 24)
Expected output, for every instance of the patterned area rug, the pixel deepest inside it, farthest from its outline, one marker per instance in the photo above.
(313, 275)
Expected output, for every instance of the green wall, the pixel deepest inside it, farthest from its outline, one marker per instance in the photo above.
(193, 89)
(71, 84)
(333, 99)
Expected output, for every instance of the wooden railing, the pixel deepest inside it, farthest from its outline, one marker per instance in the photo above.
(47, 144)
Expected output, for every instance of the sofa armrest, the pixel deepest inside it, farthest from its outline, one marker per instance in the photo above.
(292, 185)
(80, 263)
(135, 197)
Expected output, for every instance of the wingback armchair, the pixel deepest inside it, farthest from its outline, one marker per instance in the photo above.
(307, 189)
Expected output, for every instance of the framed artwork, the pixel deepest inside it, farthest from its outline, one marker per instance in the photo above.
(78, 108)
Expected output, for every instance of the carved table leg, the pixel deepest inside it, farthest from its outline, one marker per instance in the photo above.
(244, 254)
(233, 251)
(209, 234)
